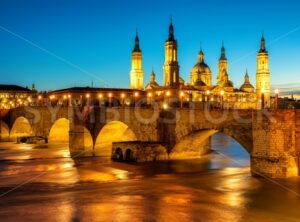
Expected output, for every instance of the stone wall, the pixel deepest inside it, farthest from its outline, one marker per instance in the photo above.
(274, 144)
(141, 151)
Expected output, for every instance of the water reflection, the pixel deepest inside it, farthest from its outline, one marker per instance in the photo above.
(213, 188)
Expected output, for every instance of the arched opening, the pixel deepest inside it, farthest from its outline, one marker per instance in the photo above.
(4, 133)
(129, 155)
(59, 134)
(229, 152)
(114, 131)
(200, 142)
(118, 155)
(21, 127)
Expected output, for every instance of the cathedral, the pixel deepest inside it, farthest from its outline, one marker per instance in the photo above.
(200, 88)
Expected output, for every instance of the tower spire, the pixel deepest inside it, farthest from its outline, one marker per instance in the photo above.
(171, 30)
(137, 43)
(223, 55)
(262, 44)
(201, 55)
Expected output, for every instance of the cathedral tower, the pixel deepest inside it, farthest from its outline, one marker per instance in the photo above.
(223, 66)
(171, 67)
(136, 73)
(263, 75)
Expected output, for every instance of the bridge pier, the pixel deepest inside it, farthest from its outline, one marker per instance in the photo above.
(274, 151)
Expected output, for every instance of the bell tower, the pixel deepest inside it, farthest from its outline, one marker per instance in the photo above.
(136, 73)
(263, 76)
(171, 67)
(223, 66)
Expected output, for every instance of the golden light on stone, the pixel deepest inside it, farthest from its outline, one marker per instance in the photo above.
(109, 95)
(165, 106)
(52, 97)
(123, 95)
(136, 94)
(100, 95)
(262, 90)
(207, 92)
(39, 97)
(149, 94)
(87, 95)
(65, 96)
(69, 96)
(222, 93)
(168, 93)
(277, 91)
(181, 94)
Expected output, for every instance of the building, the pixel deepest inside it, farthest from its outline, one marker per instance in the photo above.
(13, 96)
(82, 96)
(200, 88)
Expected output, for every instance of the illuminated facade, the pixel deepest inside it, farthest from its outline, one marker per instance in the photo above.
(136, 73)
(12, 96)
(263, 75)
(201, 89)
(171, 67)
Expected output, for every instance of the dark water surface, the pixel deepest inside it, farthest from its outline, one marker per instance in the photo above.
(46, 185)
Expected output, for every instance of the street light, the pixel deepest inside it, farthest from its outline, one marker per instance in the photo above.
(110, 96)
(181, 99)
(88, 98)
(136, 94)
(165, 106)
(276, 98)
(207, 98)
(100, 96)
(69, 100)
(122, 96)
(222, 96)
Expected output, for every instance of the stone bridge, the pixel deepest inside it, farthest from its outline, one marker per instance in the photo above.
(272, 138)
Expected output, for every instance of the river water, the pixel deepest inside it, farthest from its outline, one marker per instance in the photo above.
(42, 183)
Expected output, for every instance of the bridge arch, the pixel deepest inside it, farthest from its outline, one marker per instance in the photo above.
(114, 131)
(59, 134)
(197, 143)
(4, 133)
(20, 127)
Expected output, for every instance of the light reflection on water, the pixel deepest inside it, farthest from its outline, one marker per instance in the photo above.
(213, 188)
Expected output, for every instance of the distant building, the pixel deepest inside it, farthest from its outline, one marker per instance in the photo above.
(13, 96)
(201, 89)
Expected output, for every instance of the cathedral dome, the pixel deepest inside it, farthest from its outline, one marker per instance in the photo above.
(201, 71)
(247, 86)
(201, 68)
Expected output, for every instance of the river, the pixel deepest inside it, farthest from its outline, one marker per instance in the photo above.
(42, 183)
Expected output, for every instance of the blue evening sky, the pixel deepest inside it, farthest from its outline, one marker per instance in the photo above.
(64, 43)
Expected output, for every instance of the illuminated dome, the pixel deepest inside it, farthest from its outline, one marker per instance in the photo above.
(201, 72)
(247, 86)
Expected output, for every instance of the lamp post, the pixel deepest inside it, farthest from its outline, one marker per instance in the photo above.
(87, 99)
(109, 99)
(100, 99)
(262, 98)
(69, 100)
(181, 99)
(64, 100)
(276, 99)
(136, 95)
(122, 99)
(222, 97)
(208, 98)
(149, 95)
